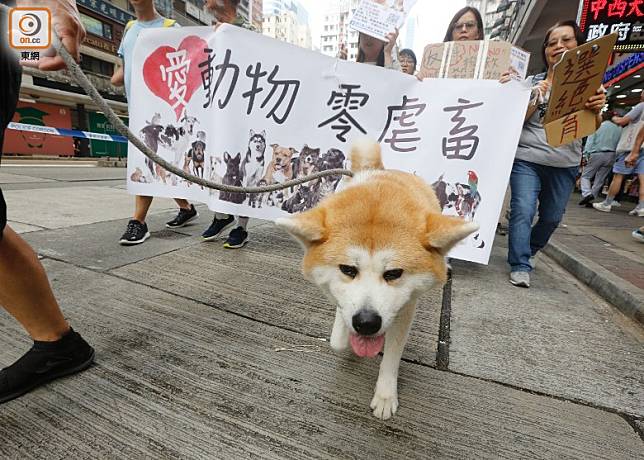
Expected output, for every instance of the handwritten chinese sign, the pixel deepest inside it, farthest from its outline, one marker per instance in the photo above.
(377, 18)
(479, 59)
(576, 78)
(241, 108)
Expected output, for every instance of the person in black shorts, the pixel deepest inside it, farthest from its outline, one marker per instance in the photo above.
(25, 292)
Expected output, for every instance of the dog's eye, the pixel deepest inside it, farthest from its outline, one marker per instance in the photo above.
(348, 270)
(391, 275)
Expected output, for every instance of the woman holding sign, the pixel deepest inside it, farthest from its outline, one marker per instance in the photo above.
(541, 173)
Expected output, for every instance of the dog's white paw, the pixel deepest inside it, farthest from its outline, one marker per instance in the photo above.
(339, 341)
(384, 404)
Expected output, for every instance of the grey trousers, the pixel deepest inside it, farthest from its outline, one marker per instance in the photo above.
(598, 167)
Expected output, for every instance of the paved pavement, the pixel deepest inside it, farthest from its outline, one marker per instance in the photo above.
(187, 335)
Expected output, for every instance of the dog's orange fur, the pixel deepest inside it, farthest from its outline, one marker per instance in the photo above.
(389, 210)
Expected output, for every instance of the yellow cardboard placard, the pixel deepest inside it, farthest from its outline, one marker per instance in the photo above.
(573, 126)
(576, 78)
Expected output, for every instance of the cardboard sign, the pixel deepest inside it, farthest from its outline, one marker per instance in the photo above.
(377, 18)
(576, 78)
(479, 59)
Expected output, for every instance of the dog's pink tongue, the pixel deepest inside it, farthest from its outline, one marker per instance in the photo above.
(366, 346)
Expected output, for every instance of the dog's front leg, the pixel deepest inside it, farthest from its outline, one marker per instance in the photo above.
(340, 333)
(385, 399)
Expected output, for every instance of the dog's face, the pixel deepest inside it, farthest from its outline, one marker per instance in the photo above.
(309, 158)
(371, 261)
(332, 159)
(257, 143)
(232, 166)
(282, 156)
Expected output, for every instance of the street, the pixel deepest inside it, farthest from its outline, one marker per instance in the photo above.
(204, 352)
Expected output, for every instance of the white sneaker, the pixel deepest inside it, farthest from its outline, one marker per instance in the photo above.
(520, 279)
(603, 207)
(637, 212)
(637, 235)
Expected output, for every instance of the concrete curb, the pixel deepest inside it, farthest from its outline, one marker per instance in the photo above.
(622, 294)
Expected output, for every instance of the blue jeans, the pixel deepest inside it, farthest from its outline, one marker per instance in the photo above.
(531, 183)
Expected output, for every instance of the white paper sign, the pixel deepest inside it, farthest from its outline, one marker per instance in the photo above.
(629, 134)
(243, 109)
(377, 18)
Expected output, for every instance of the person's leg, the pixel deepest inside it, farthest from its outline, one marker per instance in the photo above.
(605, 162)
(141, 207)
(590, 171)
(557, 185)
(220, 223)
(26, 293)
(183, 204)
(243, 221)
(525, 186)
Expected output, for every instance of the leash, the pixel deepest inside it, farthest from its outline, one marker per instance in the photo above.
(91, 91)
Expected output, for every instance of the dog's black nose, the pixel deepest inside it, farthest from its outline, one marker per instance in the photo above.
(366, 322)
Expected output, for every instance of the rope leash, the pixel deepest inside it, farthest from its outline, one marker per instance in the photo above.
(80, 78)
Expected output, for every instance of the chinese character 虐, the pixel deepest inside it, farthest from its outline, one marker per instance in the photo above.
(405, 132)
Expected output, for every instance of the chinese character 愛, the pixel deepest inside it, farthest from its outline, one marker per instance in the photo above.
(175, 75)
(345, 101)
(407, 112)
(464, 143)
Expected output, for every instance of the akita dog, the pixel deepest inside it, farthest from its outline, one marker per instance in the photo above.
(374, 247)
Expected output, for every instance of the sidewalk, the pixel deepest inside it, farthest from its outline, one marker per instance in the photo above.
(598, 249)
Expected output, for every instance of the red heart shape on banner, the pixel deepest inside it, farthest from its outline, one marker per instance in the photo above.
(173, 74)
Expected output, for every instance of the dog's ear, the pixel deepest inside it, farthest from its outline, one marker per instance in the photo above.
(252, 133)
(308, 227)
(263, 133)
(226, 157)
(443, 232)
(237, 157)
(274, 146)
(293, 151)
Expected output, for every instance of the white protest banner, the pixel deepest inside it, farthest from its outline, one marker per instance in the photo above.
(240, 108)
(377, 18)
(629, 134)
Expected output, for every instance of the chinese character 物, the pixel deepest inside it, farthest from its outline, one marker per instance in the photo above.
(289, 88)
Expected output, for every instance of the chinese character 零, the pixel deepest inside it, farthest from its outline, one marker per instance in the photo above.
(345, 101)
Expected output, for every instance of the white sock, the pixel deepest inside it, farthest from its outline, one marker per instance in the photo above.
(243, 222)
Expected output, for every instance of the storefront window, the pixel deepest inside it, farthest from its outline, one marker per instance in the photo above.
(96, 27)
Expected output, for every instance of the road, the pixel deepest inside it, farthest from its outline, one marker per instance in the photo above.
(186, 335)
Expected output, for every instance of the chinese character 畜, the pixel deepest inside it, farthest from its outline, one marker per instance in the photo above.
(464, 143)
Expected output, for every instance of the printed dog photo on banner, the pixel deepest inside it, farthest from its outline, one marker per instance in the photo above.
(460, 199)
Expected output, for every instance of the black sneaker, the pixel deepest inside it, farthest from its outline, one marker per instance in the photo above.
(587, 200)
(217, 227)
(237, 238)
(135, 233)
(183, 217)
(45, 361)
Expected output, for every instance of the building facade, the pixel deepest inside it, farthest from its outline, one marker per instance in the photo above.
(288, 21)
(54, 99)
(335, 31)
